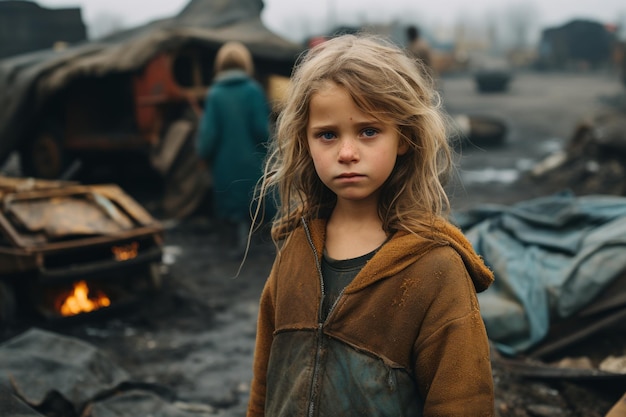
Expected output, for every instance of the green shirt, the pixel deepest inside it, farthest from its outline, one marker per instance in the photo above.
(337, 274)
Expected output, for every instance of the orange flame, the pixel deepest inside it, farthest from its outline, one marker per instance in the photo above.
(126, 252)
(80, 302)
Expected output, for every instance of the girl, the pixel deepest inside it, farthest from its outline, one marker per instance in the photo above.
(370, 308)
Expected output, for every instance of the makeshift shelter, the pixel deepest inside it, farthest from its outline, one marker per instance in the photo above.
(129, 92)
(578, 42)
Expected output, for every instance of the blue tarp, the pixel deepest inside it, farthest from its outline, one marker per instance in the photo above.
(551, 257)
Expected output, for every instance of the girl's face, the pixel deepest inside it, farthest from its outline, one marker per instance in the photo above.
(353, 153)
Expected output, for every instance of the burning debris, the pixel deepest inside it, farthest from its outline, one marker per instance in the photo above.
(81, 301)
(67, 249)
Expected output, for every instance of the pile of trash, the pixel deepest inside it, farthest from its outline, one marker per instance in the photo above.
(558, 306)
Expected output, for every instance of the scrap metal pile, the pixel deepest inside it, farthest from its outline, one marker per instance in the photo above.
(67, 248)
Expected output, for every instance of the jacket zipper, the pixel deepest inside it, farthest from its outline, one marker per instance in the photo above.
(320, 321)
(320, 324)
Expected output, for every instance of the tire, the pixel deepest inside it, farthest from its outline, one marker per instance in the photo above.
(43, 157)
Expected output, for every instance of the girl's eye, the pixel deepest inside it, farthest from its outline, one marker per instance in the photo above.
(327, 135)
(369, 132)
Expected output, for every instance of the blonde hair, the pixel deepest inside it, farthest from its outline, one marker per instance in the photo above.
(234, 55)
(384, 82)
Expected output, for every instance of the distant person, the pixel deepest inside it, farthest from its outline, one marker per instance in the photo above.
(419, 48)
(370, 308)
(232, 136)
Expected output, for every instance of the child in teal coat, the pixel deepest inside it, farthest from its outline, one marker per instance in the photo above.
(232, 135)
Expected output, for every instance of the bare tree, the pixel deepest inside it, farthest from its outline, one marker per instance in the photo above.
(491, 26)
(519, 22)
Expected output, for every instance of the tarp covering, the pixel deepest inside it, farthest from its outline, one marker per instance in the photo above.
(12, 406)
(551, 256)
(27, 81)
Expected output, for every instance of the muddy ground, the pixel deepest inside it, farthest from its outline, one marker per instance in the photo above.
(197, 335)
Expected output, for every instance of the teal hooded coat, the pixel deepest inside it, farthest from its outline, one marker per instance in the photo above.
(232, 136)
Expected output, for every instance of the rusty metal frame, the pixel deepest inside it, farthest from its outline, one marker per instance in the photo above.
(29, 252)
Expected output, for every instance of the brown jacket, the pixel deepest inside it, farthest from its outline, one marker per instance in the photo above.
(405, 338)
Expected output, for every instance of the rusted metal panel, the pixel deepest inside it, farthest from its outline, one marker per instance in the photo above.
(170, 77)
(36, 214)
(82, 214)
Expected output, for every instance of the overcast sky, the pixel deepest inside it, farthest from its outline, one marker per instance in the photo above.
(297, 18)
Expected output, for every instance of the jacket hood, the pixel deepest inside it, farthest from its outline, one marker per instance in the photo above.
(406, 248)
(231, 76)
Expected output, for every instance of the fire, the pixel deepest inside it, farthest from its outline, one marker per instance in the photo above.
(126, 252)
(80, 302)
